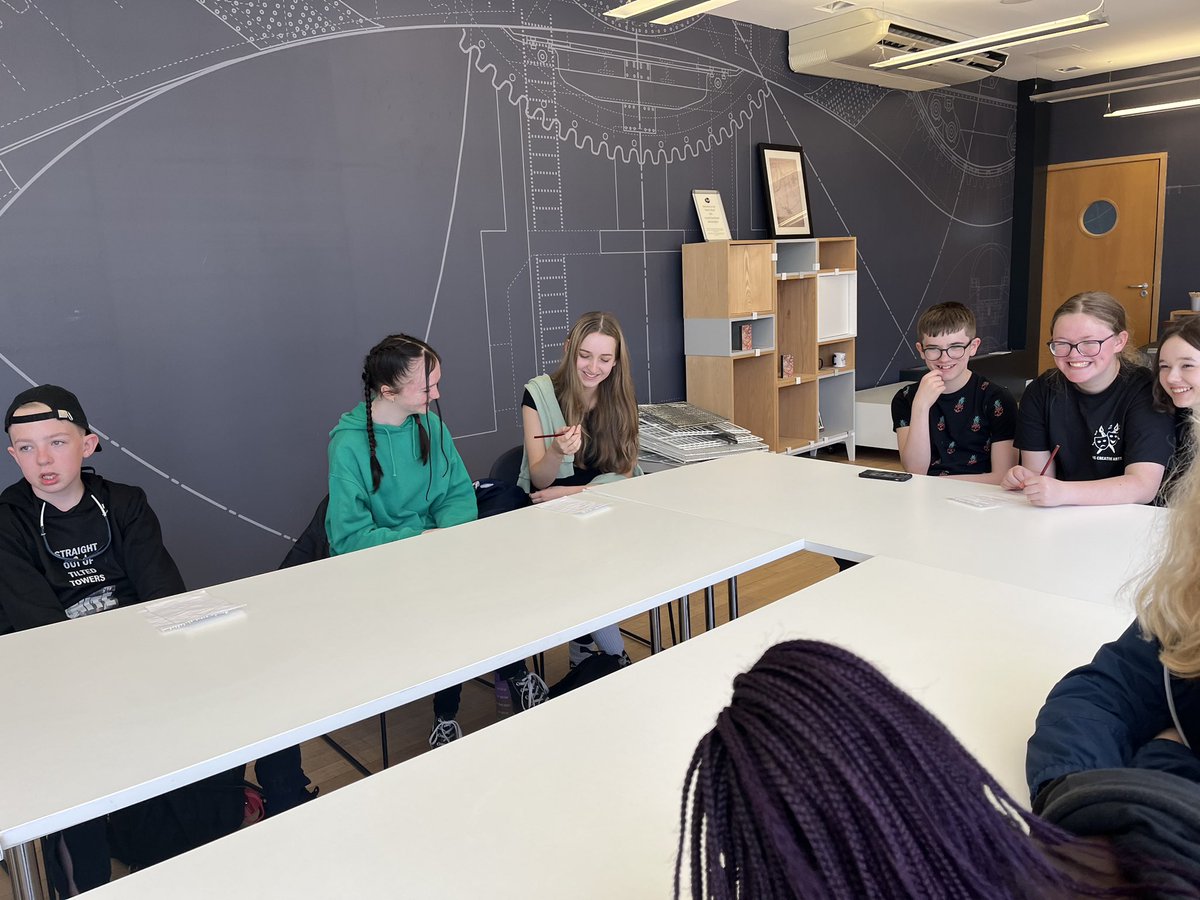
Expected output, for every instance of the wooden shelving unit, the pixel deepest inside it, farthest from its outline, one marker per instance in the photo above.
(800, 297)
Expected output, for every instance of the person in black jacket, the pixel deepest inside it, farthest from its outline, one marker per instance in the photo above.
(1118, 737)
(71, 543)
(74, 544)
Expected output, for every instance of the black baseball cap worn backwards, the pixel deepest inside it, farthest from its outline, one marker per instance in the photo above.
(64, 407)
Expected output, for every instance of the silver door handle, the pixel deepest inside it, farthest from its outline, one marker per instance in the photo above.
(1143, 286)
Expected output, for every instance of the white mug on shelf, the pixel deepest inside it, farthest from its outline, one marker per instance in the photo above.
(839, 360)
(1194, 296)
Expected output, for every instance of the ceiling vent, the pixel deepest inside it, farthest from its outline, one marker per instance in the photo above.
(846, 45)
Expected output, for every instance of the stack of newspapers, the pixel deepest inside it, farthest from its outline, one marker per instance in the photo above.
(676, 433)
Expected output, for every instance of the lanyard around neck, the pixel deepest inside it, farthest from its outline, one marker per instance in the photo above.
(65, 556)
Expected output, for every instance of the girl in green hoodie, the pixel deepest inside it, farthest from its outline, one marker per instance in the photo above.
(394, 473)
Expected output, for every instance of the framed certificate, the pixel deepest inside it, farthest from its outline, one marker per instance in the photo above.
(712, 215)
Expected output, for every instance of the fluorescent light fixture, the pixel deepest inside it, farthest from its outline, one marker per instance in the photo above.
(673, 15)
(1101, 88)
(663, 12)
(636, 7)
(1151, 108)
(1026, 35)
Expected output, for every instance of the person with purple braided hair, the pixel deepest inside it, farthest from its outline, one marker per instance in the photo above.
(822, 779)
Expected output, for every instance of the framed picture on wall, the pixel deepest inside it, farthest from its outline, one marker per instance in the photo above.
(786, 187)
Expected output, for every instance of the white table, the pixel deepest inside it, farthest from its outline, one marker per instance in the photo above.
(581, 796)
(105, 711)
(1087, 552)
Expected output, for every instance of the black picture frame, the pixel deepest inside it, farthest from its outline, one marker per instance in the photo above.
(785, 186)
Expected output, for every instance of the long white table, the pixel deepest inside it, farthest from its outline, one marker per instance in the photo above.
(105, 711)
(581, 796)
(1087, 552)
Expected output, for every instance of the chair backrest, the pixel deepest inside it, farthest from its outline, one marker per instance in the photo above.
(313, 544)
(508, 465)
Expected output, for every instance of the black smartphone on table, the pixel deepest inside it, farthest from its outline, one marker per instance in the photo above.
(883, 475)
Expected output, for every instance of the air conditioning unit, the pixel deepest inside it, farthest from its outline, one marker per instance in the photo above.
(845, 46)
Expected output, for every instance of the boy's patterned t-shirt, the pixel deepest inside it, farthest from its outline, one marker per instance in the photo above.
(963, 425)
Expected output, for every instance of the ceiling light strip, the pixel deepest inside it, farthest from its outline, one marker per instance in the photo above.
(637, 7)
(1152, 108)
(671, 16)
(1026, 35)
(1099, 89)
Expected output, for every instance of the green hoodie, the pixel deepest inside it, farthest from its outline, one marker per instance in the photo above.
(412, 497)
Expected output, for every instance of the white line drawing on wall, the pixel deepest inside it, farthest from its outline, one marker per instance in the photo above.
(638, 100)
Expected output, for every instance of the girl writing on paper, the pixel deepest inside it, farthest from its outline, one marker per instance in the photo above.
(581, 428)
(1096, 407)
(394, 473)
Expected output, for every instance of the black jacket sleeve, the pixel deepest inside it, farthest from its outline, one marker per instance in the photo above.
(26, 598)
(147, 563)
(1100, 714)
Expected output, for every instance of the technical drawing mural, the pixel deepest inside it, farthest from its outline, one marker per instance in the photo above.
(210, 209)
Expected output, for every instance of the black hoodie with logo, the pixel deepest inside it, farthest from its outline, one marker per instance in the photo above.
(82, 576)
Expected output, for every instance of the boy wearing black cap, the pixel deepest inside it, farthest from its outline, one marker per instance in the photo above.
(73, 544)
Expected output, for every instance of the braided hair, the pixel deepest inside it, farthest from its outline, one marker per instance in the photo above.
(824, 779)
(394, 358)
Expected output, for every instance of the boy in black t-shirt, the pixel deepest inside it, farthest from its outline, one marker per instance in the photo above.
(953, 422)
(73, 544)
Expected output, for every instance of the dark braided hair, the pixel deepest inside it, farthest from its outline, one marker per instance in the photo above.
(388, 361)
(824, 779)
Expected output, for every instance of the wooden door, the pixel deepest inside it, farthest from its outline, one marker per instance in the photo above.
(1104, 233)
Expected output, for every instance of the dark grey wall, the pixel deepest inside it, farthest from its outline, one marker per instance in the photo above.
(1079, 131)
(209, 211)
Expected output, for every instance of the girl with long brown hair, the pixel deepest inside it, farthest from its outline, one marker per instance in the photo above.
(581, 428)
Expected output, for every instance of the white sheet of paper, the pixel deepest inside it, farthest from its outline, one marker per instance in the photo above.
(990, 501)
(573, 506)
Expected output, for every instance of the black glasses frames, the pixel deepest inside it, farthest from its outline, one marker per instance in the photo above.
(954, 351)
(1088, 348)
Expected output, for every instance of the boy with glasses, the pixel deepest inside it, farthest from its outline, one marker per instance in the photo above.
(953, 422)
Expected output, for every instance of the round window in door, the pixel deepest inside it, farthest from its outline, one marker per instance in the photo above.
(1099, 218)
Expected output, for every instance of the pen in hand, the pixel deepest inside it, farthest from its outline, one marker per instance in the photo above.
(538, 437)
(1053, 453)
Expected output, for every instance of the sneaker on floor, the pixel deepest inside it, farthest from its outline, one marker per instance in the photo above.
(623, 660)
(528, 691)
(579, 650)
(444, 731)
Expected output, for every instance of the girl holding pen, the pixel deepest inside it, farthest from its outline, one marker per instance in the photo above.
(1096, 406)
(581, 423)
(581, 427)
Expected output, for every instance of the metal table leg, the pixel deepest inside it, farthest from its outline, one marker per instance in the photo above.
(733, 598)
(685, 617)
(23, 870)
(656, 630)
(710, 608)
(383, 737)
